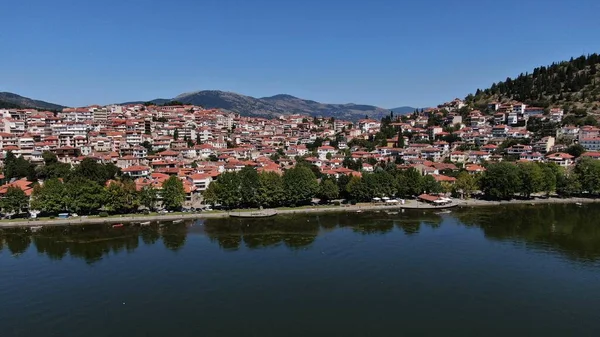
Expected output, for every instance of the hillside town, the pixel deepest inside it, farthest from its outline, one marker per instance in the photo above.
(150, 143)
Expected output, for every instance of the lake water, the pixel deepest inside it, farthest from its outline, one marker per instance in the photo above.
(504, 271)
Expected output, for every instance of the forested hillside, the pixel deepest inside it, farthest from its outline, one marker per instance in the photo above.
(572, 84)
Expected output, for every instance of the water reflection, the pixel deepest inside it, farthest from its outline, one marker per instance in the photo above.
(568, 229)
(90, 243)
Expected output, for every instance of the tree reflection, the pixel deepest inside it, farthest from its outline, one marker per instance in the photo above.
(17, 240)
(174, 236)
(295, 232)
(149, 235)
(568, 229)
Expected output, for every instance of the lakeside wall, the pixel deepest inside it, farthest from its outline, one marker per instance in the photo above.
(410, 205)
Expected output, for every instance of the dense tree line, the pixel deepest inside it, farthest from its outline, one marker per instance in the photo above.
(85, 196)
(248, 188)
(83, 188)
(506, 180)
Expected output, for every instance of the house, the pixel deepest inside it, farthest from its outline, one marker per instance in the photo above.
(323, 151)
(560, 158)
(590, 144)
(544, 145)
(442, 178)
(518, 149)
(474, 169)
(500, 131)
(201, 181)
(593, 155)
(478, 156)
(531, 156)
(22, 184)
(458, 157)
(136, 171)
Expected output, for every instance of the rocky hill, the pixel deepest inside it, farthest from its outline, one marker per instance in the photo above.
(277, 105)
(14, 101)
(573, 85)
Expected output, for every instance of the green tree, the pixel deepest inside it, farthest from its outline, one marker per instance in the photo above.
(83, 195)
(149, 197)
(52, 168)
(357, 189)
(249, 186)
(172, 193)
(568, 184)
(300, 185)
(328, 190)
(176, 134)
(121, 197)
(49, 197)
(549, 179)
(588, 171)
(501, 181)
(18, 167)
(14, 200)
(430, 185)
(466, 184)
(271, 190)
(409, 183)
(89, 168)
(576, 150)
(532, 178)
(210, 195)
(228, 189)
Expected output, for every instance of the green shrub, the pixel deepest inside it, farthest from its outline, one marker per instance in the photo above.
(103, 214)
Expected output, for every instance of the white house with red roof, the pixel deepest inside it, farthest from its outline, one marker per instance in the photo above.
(561, 159)
(136, 171)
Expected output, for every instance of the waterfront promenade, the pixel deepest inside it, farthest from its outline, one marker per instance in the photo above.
(363, 207)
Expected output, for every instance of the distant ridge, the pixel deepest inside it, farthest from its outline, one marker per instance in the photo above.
(268, 107)
(404, 110)
(278, 105)
(14, 101)
(158, 101)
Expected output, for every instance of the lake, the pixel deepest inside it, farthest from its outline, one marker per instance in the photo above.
(502, 271)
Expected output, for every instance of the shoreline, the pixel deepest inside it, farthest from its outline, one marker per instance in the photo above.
(410, 205)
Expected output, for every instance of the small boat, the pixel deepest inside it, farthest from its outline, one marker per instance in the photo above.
(35, 228)
(145, 223)
(359, 211)
(578, 204)
(178, 221)
(119, 225)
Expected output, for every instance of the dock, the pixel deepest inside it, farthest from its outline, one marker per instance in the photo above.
(258, 214)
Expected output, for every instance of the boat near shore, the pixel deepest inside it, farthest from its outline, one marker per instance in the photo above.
(259, 214)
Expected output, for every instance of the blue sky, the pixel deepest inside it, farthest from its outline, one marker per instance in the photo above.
(382, 52)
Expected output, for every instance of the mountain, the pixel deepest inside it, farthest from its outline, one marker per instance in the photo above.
(277, 105)
(572, 85)
(404, 110)
(158, 101)
(7, 105)
(25, 102)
